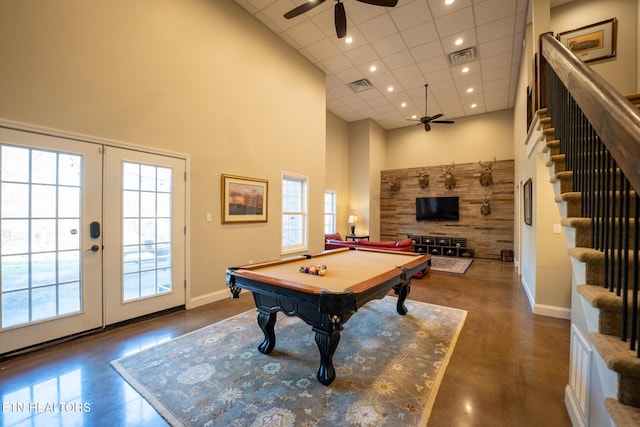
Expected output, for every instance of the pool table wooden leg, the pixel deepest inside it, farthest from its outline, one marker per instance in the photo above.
(267, 322)
(327, 343)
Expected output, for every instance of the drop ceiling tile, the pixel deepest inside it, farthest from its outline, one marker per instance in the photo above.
(322, 49)
(337, 63)
(497, 48)
(421, 34)
(496, 62)
(492, 10)
(438, 76)
(434, 65)
(496, 29)
(427, 51)
(378, 28)
(406, 72)
(410, 14)
(398, 60)
(349, 75)
(363, 54)
(389, 45)
(305, 33)
(456, 22)
(438, 8)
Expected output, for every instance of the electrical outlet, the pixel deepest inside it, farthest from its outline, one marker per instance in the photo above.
(556, 228)
(209, 217)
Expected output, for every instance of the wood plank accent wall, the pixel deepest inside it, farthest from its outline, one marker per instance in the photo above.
(488, 235)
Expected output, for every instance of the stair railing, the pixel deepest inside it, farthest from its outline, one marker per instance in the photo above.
(599, 133)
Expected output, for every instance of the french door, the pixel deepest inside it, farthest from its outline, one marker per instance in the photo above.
(82, 244)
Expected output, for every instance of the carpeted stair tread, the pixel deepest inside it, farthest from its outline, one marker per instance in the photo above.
(622, 415)
(600, 297)
(587, 255)
(552, 147)
(576, 222)
(616, 354)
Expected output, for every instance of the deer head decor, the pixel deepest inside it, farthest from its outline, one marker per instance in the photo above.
(423, 180)
(449, 179)
(394, 183)
(486, 177)
(485, 208)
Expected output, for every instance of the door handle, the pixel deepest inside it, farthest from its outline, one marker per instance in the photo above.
(94, 248)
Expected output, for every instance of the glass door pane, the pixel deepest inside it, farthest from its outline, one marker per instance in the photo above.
(146, 230)
(40, 224)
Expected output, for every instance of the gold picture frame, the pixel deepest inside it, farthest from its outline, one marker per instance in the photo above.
(592, 42)
(244, 199)
(528, 202)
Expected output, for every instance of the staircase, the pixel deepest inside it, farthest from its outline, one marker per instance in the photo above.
(590, 278)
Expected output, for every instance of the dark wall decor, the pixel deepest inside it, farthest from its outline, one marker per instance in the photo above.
(488, 234)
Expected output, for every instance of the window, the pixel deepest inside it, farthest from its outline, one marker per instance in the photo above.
(329, 212)
(294, 213)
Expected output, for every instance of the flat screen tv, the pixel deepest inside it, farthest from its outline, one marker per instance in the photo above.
(437, 209)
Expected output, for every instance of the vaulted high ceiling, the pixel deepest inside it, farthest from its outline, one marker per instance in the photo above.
(409, 45)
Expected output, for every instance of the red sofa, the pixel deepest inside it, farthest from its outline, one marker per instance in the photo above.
(334, 241)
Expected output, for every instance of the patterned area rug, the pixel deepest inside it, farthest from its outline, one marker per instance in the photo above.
(450, 264)
(388, 370)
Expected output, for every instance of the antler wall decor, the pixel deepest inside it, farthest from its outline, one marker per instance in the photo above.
(449, 179)
(423, 179)
(486, 177)
(485, 208)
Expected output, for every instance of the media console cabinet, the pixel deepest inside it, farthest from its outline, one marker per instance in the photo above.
(442, 245)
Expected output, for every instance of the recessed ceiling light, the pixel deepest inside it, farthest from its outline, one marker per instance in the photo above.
(474, 105)
(465, 70)
(348, 40)
(470, 90)
(458, 42)
(447, 2)
(390, 89)
(414, 117)
(372, 68)
(404, 104)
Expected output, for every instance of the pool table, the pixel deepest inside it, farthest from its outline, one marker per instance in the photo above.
(353, 277)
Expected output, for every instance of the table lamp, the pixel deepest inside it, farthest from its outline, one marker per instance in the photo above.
(353, 220)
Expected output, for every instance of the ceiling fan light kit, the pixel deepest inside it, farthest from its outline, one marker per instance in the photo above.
(340, 16)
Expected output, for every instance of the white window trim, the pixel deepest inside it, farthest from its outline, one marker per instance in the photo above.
(335, 206)
(304, 246)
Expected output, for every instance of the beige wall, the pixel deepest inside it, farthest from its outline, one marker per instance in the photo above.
(620, 71)
(198, 77)
(470, 139)
(337, 167)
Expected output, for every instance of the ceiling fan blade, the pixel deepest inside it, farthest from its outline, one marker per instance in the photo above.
(307, 6)
(427, 127)
(443, 121)
(437, 116)
(340, 18)
(385, 3)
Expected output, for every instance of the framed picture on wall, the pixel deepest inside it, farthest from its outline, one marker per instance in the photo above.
(528, 194)
(592, 42)
(244, 199)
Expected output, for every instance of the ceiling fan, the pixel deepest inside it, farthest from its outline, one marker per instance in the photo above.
(340, 16)
(427, 120)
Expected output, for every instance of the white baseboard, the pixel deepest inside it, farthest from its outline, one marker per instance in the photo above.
(527, 291)
(209, 298)
(552, 311)
(572, 408)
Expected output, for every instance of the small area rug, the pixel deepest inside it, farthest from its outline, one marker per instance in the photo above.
(450, 264)
(388, 370)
